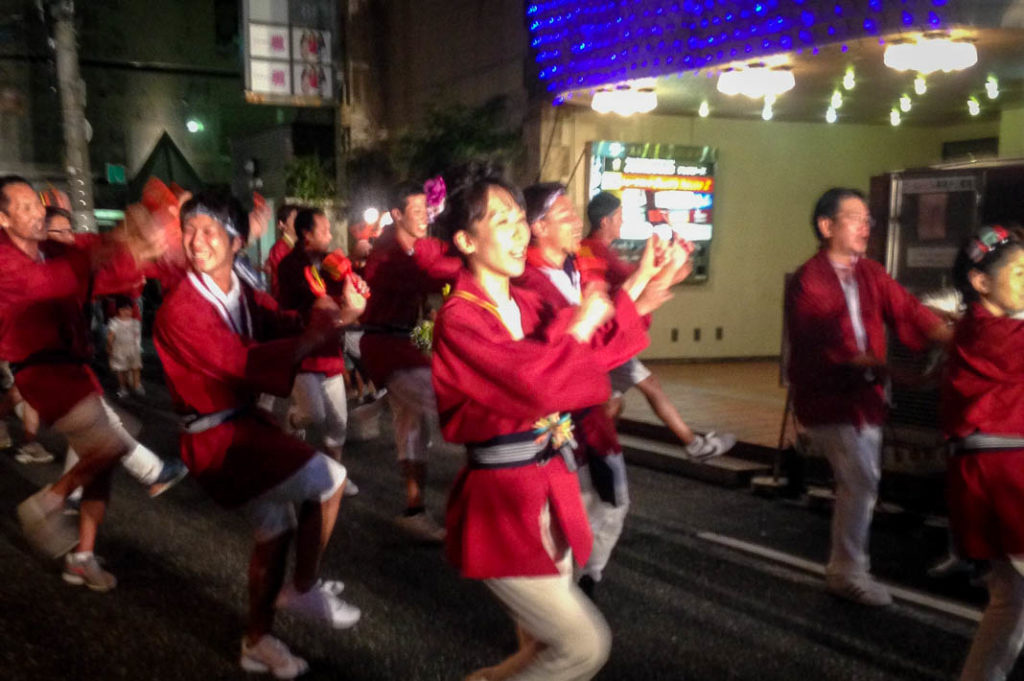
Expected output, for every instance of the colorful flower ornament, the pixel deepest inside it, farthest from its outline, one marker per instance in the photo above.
(557, 428)
(988, 240)
(436, 192)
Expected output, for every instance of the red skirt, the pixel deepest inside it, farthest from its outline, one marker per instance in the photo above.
(53, 389)
(985, 491)
(494, 520)
(242, 458)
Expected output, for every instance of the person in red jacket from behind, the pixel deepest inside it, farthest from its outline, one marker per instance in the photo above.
(839, 305)
(284, 244)
(597, 260)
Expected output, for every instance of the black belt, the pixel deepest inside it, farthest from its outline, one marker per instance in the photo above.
(46, 357)
(517, 450)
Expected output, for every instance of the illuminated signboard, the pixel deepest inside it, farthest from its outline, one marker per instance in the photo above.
(664, 188)
(290, 48)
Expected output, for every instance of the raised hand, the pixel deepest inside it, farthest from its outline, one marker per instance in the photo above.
(594, 310)
(352, 299)
(646, 269)
(258, 219)
(145, 237)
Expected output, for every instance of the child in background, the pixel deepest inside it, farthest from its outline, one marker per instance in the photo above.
(124, 348)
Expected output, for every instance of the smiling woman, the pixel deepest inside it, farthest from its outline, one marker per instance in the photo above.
(509, 365)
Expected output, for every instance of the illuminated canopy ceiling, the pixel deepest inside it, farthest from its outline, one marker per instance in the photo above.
(583, 45)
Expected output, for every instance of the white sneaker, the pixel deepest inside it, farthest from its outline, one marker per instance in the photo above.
(33, 452)
(422, 527)
(709, 445)
(271, 655)
(87, 571)
(859, 589)
(351, 488)
(320, 603)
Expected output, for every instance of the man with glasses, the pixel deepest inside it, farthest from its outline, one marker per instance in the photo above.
(839, 305)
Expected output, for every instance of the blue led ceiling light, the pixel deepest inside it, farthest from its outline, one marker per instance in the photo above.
(586, 44)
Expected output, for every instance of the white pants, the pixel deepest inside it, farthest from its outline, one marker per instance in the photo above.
(321, 406)
(553, 610)
(140, 462)
(1001, 631)
(414, 409)
(272, 513)
(606, 520)
(856, 458)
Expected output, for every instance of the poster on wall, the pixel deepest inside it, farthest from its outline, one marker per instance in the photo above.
(667, 189)
(290, 51)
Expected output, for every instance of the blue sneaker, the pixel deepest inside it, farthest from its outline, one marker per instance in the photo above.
(174, 471)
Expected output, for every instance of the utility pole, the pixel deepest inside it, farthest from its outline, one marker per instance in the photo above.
(72, 98)
(342, 116)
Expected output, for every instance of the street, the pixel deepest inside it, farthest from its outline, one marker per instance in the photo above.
(680, 605)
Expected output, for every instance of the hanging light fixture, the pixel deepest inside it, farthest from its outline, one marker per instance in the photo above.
(767, 113)
(895, 118)
(849, 79)
(704, 109)
(920, 85)
(931, 52)
(831, 116)
(837, 100)
(992, 87)
(756, 80)
(905, 103)
(624, 99)
(973, 106)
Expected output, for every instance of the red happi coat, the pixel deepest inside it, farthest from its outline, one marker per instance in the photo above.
(595, 430)
(826, 389)
(489, 384)
(598, 262)
(399, 283)
(278, 251)
(983, 390)
(41, 317)
(294, 293)
(210, 368)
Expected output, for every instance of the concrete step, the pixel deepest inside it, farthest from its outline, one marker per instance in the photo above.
(726, 470)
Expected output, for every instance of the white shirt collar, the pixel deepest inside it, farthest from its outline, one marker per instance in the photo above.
(230, 306)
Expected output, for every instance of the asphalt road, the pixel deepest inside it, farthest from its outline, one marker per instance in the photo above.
(680, 606)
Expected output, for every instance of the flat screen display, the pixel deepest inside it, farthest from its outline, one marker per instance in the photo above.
(664, 188)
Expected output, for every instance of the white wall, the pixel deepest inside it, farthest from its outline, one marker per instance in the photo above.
(768, 178)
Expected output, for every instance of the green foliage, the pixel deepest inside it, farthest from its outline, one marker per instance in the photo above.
(455, 133)
(308, 178)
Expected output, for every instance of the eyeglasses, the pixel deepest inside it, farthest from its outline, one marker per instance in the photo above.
(857, 217)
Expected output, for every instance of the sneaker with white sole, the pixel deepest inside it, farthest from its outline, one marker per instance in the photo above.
(271, 655)
(422, 527)
(858, 589)
(86, 571)
(319, 603)
(33, 452)
(951, 566)
(351, 488)
(173, 472)
(45, 526)
(710, 444)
